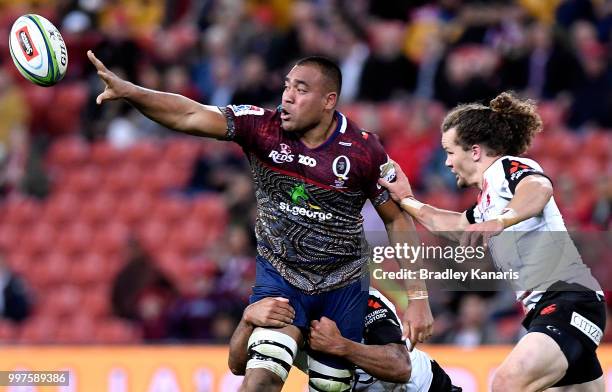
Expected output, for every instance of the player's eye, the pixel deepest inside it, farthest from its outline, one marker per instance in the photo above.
(301, 90)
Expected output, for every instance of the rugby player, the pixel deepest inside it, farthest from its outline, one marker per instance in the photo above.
(383, 360)
(517, 218)
(313, 171)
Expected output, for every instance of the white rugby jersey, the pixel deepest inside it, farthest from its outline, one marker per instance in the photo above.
(539, 248)
(381, 309)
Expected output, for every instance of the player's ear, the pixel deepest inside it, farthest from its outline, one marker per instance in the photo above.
(331, 99)
(477, 152)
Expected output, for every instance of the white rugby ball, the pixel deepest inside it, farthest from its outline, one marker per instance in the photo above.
(38, 50)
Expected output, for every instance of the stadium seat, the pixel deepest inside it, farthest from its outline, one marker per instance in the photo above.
(181, 150)
(134, 207)
(110, 237)
(61, 208)
(68, 152)
(171, 209)
(8, 332)
(104, 155)
(77, 329)
(116, 331)
(100, 208)
(75, 237)
(89, 269)
(96, 301)
(124, 178)
(39, 329)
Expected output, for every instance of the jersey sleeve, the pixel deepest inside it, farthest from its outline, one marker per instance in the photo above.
(382, 326)
(381, 167)
(244, 124)
(515, 170)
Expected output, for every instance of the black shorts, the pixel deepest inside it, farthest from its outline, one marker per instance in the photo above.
(575, 317)
(440, 381)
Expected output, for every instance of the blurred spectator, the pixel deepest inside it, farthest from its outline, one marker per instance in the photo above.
(15, 303)
(142, 293)
(192, 317)
(472, 326)
(387, 72)
(254, 86)
(14, 116)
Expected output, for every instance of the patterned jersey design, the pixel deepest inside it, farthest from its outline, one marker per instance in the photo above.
(309, 201)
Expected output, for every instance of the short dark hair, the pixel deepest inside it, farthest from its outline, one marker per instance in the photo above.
(506, 127)
(328, 68)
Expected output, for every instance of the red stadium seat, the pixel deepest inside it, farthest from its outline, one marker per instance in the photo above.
(99, 208)
(21, 211)
(124, 178)
(111, 237)
(134, 207)
(77, 329)
(171, 209)
(104, 155)
(75, 237)
(181, 150)
(61, 208)
(153, 235)
(8, 332)
(53, 269)
(68, 152)
(96, 302)
(89, 269)
(39, 329)
(116, 331)
(144, 153)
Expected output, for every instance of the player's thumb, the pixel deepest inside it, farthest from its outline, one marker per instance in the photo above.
(383, 182)
(104, 96)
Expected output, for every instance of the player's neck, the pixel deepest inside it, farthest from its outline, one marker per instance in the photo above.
(316, 136)
(483, 165)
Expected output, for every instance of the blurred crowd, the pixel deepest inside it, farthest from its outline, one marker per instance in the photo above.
(115, 230)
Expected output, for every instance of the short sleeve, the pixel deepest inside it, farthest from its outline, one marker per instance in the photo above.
(244, 123)
(516, 170)
(381, 167)
(382, 326)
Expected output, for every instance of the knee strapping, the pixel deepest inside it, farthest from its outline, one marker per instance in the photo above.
(271, 350)
(323, 378)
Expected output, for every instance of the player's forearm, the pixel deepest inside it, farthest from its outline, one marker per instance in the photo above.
(402, 230)
(440, 222)
(389, 362)
(238, 355)
(176, 111)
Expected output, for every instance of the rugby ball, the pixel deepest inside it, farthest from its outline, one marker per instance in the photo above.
(38, 50)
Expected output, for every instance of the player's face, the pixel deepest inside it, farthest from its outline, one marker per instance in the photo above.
(459, 161)
(304, 99)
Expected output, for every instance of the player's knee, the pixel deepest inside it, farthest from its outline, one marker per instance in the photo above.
(323, 378)
(271, 350)
(507, 380)
(261, 380)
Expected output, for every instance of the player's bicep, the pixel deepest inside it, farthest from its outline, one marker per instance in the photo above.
(207, 121)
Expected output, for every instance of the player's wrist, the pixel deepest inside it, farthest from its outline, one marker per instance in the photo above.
(507, 218)
(411, 205)
(417, 294)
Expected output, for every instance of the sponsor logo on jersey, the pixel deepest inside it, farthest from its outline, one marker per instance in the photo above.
(321, 216)
(306, 160)
(284, 156)
(25, 41)
(341, 167)
(587, 327)
(346, 144)
(549, 309)
(301, 206)
(243, 110)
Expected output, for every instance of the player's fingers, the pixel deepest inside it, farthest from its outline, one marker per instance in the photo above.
(383, 182)
(284, 313)
(413, 338)
(281, 299)
(285, 306)
(94, 60)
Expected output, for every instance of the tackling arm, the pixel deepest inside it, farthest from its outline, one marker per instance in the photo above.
(171, 110)
(389, 362)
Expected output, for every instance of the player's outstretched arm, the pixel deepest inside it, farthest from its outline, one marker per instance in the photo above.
(268, 312)
(388, 362)
(171, 110)
(438, 221)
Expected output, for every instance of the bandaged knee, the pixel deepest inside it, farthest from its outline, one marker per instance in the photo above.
(271, 350)
(323, 378)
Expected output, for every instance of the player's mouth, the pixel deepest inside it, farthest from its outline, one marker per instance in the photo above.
(285, 115)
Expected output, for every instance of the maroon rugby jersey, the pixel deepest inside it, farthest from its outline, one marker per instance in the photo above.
(309, 201)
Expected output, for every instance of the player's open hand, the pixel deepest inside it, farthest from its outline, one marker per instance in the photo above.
(418, 322)
(325, 337)
(270, 312)
(115, 86)
(478, 234)
(400, 188)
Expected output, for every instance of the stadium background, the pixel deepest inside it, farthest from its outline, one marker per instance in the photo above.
(115, 231)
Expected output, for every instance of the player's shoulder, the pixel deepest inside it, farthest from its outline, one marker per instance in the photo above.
(359, 136)
(252, 110)
(509, 167)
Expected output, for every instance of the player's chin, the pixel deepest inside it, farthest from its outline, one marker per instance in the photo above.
(288, 125)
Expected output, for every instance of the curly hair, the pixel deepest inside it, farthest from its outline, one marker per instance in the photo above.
(506, 127)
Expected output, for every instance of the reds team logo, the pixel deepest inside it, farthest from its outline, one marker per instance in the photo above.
(285, 149)
(25, 41)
